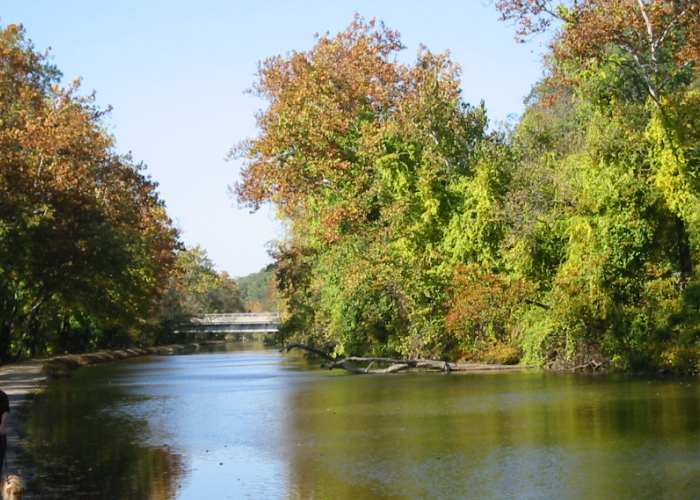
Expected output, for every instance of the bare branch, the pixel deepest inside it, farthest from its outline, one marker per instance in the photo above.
(310, 349)
(650, 34)
(353, 364)
(671, 25)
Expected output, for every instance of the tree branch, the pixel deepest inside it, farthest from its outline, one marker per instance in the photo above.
(650, 34)
(538, 304)
(644, 73)
(353, 364)
(671, 25)
(310, 349)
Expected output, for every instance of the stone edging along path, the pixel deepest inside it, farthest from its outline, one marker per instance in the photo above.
(61, 366)
(21, 381)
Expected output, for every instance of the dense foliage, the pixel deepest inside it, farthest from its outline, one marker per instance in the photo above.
(258, 290)
(86, 245)
(416, 229)
(195, 288)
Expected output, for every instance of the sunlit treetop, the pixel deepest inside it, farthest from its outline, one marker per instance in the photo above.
(331, 110)
(315, 98)
(659, 38)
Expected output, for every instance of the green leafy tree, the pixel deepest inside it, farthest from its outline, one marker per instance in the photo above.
(259, 290)
(377, 167)
(196, 288)
(85, 241)
(612, 249)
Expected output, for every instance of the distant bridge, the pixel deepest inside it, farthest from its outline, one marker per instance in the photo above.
(236, 324)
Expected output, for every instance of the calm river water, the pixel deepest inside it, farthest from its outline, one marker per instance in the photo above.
(251, 423)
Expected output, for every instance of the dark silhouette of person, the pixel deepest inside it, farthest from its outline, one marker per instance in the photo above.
(4, 421)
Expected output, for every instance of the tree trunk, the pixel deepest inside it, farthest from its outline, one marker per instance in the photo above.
(685, 261)
(5, 336)
(353, 364)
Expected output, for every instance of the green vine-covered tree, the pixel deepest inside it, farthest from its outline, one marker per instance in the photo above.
(417, 230)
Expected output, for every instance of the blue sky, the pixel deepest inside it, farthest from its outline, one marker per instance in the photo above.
(176, 72)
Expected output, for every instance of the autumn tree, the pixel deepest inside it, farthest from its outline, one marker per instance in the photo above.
(370, 162)
(85, 242)
(416, 230)
(196, 288)
(613, 134)
(657, 40)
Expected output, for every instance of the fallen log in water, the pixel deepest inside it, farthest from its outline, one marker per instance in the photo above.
(354, 364)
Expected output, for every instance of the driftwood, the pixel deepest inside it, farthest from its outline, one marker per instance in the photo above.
(591, 365)
(355, 364)
(312, 350)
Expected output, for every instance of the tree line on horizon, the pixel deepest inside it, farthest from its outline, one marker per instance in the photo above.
(418, 229)
(259, 290)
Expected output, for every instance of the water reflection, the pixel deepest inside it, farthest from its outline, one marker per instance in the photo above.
(85, 447)
(527, 435)
(250, 423)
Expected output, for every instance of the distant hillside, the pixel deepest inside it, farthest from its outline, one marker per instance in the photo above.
(258, 290)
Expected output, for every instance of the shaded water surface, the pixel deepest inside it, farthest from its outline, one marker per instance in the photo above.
(254, 424)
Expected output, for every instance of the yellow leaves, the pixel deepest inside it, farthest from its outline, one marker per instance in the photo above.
(674, 136)
(430, 209)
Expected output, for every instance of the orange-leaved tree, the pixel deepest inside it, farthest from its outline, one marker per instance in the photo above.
(369, 161)
(85, 242)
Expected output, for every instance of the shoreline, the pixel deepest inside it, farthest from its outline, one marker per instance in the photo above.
(24, 380)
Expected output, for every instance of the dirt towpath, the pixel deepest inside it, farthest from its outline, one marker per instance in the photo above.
(21, 381)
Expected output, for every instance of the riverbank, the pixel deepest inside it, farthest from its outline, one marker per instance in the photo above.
(60, 366)
(22, 381)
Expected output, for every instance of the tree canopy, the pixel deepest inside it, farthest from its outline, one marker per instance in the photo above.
(196, 288)
(259, 290)
(86, 245)
(418, 229)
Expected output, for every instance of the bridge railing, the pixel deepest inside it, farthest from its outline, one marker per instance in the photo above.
(237, 318)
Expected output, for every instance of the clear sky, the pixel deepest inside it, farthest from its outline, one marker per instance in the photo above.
(176, 72)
